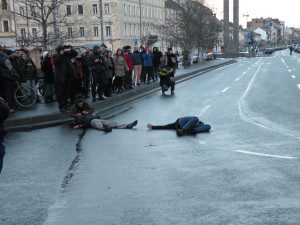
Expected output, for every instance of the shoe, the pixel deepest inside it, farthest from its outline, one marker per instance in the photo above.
(172, 93)
(12, 111)
(102, 98)
(86, 96)
(163, 93)
(94, 99)
(131, 125)
(179, 133)
(107, 128)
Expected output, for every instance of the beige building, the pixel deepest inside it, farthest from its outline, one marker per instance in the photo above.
(7, 36)
(124, 22)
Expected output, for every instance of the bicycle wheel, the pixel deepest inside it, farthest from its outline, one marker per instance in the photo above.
(25, 97)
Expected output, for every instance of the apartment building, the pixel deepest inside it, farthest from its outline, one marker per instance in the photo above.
(7, 36)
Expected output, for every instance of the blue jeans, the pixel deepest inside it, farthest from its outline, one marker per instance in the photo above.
(192, 124)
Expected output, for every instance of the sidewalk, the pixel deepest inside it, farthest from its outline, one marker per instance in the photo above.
(44, 115)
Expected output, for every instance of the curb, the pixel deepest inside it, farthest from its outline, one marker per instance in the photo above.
(103, 107)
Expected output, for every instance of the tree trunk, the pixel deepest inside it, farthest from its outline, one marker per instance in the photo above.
(44, 42)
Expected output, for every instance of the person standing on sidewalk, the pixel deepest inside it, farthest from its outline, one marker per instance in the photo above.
(128, 74)
(110, 73)
(48, 71)
(62, 81)
(120, 68)
(4, 111)
(156, 62)
(138, 64)
(189, 125)
(86, 74)
(148, 64)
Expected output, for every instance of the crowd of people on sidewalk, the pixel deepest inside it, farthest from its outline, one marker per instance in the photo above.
(96, 73)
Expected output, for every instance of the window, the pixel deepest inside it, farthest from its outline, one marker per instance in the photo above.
(125, 30)
(125, 9)
(23, 33)
(70, 32)
(108, 31)
(106, 8)
(5, 26)
(69, 12)
(32, 10)
(96, 31)
(81, 31)
(21, 10)
(129, 9)
(34, 33)
(80, 9)
(4, 5)
(95, 8)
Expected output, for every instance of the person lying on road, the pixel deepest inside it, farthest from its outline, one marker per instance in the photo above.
(85, 118)
(190, 125)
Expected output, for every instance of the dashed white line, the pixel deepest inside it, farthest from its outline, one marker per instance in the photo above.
(237, 79)
(293, 76)
(249, 68)
(283, 61)
(267, 155)
(298, 86)
(244, 72)
(227, 88)
(290, 71)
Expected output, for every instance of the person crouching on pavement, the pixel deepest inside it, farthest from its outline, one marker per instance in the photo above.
(189, 125)
(85, 118)
(166, 81)
(4, 111)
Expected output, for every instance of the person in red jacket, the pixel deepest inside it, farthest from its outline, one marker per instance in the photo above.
(128, 74)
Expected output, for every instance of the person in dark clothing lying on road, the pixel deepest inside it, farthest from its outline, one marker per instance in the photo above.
(189, 125)
(85, 118)
(166, 81)
(4, 111)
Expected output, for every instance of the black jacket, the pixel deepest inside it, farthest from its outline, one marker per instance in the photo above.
(4, 111)
(48, 71)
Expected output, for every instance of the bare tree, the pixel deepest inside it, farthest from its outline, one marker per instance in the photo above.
(191, 25)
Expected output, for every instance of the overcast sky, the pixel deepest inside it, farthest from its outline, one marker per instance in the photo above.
(287, 10)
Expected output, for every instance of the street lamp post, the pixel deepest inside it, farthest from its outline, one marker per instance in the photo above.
(101, 20)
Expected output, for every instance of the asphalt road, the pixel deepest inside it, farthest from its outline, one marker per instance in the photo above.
(245, 171)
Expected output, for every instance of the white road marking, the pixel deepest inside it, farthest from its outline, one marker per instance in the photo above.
(245, 72)
(298, 86)
(204, 110)
(290, 71)
(257, 62)
(267, 155)
(237, 79)
(225, 89)
(249, 68)
(283, 61)
(293, 76)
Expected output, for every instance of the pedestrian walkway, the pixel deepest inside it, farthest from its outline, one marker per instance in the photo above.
(51, 109)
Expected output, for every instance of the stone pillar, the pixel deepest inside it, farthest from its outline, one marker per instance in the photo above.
(226, 25)
(236, 25)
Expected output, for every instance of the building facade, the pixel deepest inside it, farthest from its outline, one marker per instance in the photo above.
(7, 35)
(80, 22)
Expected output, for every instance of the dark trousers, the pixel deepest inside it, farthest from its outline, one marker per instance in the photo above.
(109, 86)
(2, 152)
(148, 71)
(128, 80)
(118, 82)
(86, 85)
(166, 86)
(9, 93)
(75, 89)
(62, 93)
(155, 72)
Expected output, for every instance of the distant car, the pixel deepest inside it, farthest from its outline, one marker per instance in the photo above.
(210, 56)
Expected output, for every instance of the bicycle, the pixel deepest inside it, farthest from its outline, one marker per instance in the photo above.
(25, 95)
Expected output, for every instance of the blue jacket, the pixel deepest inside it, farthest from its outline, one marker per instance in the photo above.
(138, 58)
(148, 59)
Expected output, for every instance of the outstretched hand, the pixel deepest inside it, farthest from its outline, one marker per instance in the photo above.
(150, 126)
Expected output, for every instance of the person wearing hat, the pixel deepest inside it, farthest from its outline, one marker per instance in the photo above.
(188, 125)
(99, 68)
(166, 81)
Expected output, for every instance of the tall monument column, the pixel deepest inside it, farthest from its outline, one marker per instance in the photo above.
(236, 25)
(226, 25)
